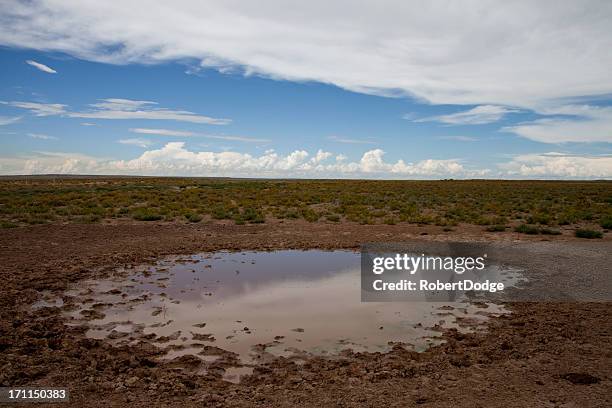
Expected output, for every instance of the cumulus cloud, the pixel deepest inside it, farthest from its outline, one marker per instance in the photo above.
(559, 165)
(41, 67)
(140, 142)
(182, 133)
(476, 116)
(389, 48)
(175, 159)
(116, 108)
(569, 123)
(50, 163)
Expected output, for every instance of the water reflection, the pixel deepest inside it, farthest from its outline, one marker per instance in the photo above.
(259, 305)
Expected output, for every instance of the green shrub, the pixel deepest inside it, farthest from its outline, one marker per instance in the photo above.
(390, 221)
(333, 217)
(146, 214)
(291, 213)
(606, 222)
(88, 219)
(527, 229)
(193, 217)
(496, 228)
(539, 219)
(588, 233)
(310, 215)
(549, 231)
(220, 213)
(249, 215)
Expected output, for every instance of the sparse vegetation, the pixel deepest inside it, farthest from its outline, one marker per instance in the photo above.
(527, 229)
(535, 206)
(588, 233)
(146, 214)
(533, 230)
(193, 217)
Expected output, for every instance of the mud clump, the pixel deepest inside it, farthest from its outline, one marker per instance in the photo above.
(581, 378)
(92, 314)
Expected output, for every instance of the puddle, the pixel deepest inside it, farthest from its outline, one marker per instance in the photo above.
(234, 374)
(258, 306)
(47, 300)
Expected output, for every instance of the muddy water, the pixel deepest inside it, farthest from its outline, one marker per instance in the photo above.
(259, 305)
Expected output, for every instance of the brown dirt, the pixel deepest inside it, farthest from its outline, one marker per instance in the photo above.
(543, 354)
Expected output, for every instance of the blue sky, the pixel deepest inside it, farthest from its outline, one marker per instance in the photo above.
(63, 104)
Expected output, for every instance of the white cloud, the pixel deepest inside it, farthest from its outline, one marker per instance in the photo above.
(517, 53)
(88, 124)
(130, 109)
(458, 138)
(50, 163)
(174, 159)
(347, 140)
(115, 108)
(550, 165)
(6, 120)
(236, 138)
(140, 142)
(41, 67)
(572, 123)
(476, 116)
(162, 132)
(41, 136)
(40, 109)
(182, 133)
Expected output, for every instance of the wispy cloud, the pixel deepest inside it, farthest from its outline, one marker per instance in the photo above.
(349, 140)
(181, 133)
(237, 138)
(115, 108)
(88, 124)
(140, 142)
(39, 109)
(568, 123)
(41, 67)
(6, 120)
(479, 115)
(458, 138)
(41, 136)
(130, 109)
(162, 132)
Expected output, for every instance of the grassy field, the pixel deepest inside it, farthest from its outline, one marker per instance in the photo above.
(529, 206)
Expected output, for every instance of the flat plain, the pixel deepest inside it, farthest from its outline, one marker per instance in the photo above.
(58, 232)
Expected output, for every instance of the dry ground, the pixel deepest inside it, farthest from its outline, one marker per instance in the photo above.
(543, 354)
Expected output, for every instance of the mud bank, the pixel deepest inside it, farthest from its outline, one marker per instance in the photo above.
(543, 354)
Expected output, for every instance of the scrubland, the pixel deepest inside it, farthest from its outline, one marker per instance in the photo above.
(530, 207)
